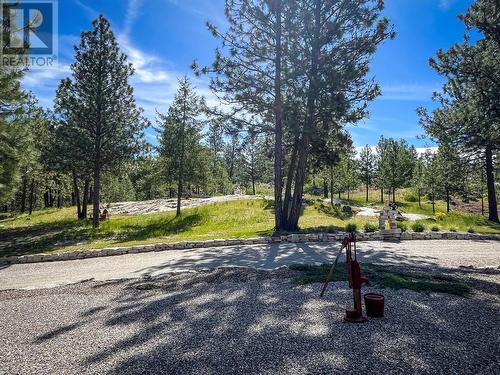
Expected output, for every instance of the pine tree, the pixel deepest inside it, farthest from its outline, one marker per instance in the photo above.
(297, 70)
(450, 172)
(35, 140)
(418, 180)
(367, 166)
(381, 180)
(99, 101)
(348, 173)
(468, 117)
(12, 98)
(255, 160)
(180, 138)
(396, 164)
(431, 175)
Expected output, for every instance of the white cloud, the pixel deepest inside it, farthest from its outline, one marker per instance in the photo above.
(408, 92)
(148, 68)
(133, 10)
(155, 80)
(38, 77)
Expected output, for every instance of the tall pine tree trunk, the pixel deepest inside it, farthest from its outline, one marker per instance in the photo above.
(52, 198)
(393, 194)
(367, 187)
(447, 199)
(96, 192)
(76, 195)
(300, 176)
(32, 196)
(179, 194)
(85, 201)
(46, 202)
(252, 172)
(289, 181)
(293, 220)
(23, 195)
(278, 126)
(180, 176)
(331, 186)
(419, 198)
(490, 183)
(91, 193)
(325, 188)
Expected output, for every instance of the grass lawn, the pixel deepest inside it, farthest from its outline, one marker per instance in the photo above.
(56, 230)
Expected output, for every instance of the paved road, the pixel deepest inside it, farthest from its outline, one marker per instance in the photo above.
(432, 254)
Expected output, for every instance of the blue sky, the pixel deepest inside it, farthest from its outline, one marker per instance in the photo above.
(162, 37)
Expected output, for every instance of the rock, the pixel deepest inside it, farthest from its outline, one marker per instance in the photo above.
(399, 216)
(347, 209)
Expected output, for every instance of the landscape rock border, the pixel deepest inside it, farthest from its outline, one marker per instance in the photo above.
(291, 238)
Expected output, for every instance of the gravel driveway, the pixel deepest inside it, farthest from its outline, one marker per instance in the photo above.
(247, 321)
(241, 322)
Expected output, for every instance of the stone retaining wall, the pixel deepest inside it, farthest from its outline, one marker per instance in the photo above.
(292, 238)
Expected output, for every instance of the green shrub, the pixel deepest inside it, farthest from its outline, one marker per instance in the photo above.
(471, 230)
(453, 229)
(418, 227)
(410, 196)
(435, 228)
(351, 227)
(370, 227)
(401, 225)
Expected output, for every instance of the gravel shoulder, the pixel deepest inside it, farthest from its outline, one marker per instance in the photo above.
(241, 322)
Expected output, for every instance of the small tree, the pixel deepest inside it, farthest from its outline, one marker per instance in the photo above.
(254, 159)
(418, 180)
(431, 176)
(367, 166)
(451, 172)
(348, 173)
(396, 164)
(180, 136)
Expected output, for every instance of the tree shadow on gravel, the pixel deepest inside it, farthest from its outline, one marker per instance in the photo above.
(56, 332)
(252, 321)
(229, 321)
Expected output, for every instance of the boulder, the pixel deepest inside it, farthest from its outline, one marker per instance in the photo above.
(347, 209)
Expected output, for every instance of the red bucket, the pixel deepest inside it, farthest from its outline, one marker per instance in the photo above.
(374, 304)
